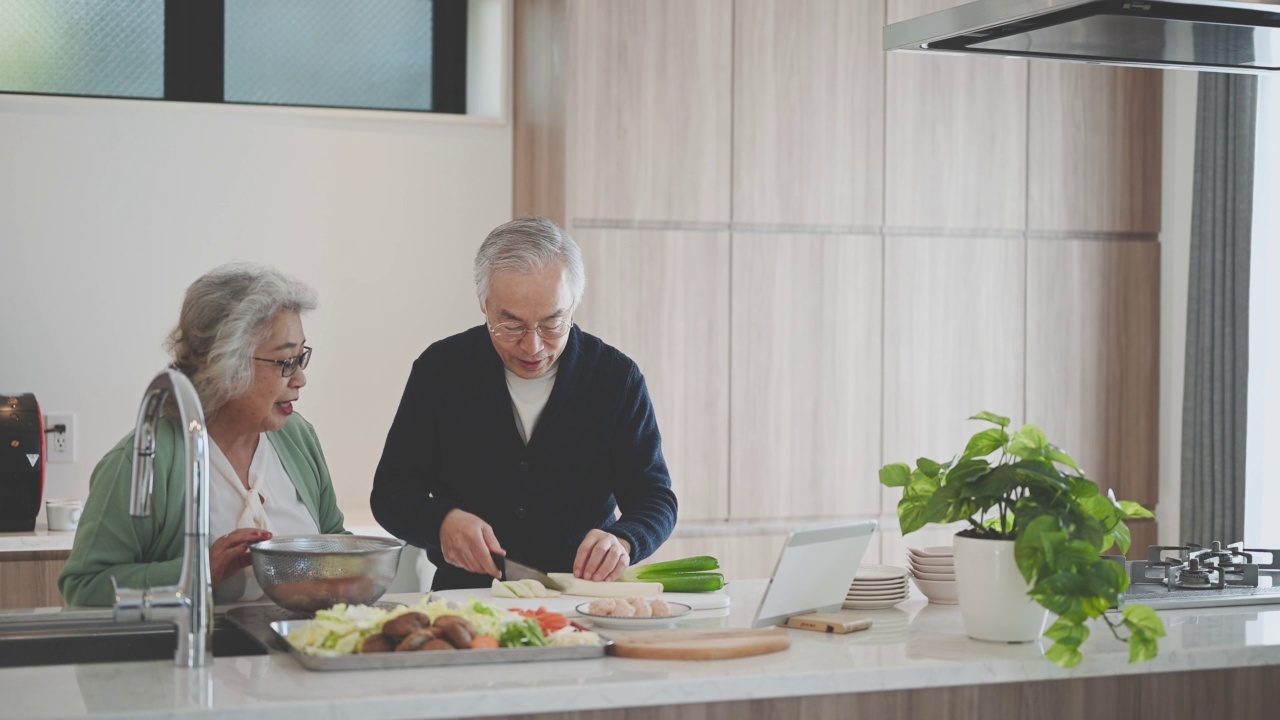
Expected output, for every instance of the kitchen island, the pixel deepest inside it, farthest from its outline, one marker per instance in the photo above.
(915, 661)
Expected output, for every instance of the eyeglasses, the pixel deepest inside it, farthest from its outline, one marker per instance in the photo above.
(513, 331)
(289, 366)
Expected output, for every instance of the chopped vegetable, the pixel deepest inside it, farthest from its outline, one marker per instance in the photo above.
(527, 588)
(550, 622)
(590, 588)
(524, 633)
(484, 642)
(686, 575)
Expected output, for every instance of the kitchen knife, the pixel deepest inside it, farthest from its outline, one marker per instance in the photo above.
(512, 570)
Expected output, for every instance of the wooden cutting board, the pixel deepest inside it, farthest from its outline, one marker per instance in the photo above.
(698, 644)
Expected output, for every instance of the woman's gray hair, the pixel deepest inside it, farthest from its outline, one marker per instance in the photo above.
(528, 245)
(225, 315)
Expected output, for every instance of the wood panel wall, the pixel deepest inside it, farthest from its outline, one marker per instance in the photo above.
(825, 257)
(30, 579)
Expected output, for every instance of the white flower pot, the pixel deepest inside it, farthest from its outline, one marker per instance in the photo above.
(993, 596)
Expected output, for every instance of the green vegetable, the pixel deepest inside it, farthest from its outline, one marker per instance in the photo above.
(523, 633)
(684, 575)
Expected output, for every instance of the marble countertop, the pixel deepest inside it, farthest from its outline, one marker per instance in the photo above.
(914, 645)
(42, 539)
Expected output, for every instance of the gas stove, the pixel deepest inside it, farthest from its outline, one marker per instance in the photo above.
(1193, 576)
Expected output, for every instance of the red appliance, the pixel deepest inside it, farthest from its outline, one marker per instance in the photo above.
(22, 458)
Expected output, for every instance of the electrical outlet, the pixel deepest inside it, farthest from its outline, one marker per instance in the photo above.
(61, 445)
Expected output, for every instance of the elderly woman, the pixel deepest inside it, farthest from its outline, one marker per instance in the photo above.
(240, 341)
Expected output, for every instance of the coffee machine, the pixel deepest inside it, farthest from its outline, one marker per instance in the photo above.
(22, 458)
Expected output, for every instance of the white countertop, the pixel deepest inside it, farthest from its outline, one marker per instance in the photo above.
(43, 539)
(39, 540)
(911, 646)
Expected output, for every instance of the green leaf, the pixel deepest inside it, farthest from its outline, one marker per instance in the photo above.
(1061, 593)
(998, 483)
(1141, 618)
(928, 467)
(985, 443)
(1066, 632)
(911, 514)
(1132, 509)
(1029, 442)
(1076, 555)
(894, 475)
(1055, 453)
(1120, 534)
(1142, 647)
(1067, 656)
(1000, 420)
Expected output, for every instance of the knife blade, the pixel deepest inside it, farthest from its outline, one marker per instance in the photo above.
(514, 570)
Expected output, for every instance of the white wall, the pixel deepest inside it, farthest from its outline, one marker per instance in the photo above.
(109, 209)
(1180, 88)
(1262, 492)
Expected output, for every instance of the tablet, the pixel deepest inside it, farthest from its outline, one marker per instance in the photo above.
(814, 571)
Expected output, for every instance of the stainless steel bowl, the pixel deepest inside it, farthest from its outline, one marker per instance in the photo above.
(305, 573)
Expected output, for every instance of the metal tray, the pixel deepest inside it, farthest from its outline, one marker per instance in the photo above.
(433, 658)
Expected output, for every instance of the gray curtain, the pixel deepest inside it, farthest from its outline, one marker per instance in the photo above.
(1217, 370)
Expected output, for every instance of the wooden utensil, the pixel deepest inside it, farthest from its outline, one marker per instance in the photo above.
(698, 644)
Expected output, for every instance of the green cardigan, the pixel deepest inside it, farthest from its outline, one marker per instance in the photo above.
(147, 551)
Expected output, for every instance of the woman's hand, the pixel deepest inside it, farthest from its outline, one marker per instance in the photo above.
(229, 554)
(602, 557)
(467, 542)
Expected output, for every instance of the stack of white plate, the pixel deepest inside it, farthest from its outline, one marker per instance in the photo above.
(876, 587)
(934, 571)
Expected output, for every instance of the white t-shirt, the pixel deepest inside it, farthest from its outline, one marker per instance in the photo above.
(528, 398)
(272, 504)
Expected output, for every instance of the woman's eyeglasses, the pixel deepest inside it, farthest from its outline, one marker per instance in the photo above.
(289, 366)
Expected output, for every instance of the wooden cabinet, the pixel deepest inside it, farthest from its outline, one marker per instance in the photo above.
(955, 138)
(808, 113)
(1093, 366)
(825, 257)
(663, 298)
(30, 579)
(805, 378)
(648, 99)
(1095, 149)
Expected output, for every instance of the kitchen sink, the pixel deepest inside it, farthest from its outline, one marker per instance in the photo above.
(63, 641)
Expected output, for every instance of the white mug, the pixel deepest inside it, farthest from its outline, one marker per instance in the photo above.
(63, 515)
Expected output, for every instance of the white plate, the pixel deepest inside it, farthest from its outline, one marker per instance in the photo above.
(879, 573)
(856, 595)
(870, 604)
(879, 584)
(678, 611)
(945, 562)
(934, 551)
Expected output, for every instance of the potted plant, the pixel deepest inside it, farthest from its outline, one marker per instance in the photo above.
(1042, 526)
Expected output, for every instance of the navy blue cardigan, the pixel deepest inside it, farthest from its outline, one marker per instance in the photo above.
(454, 444)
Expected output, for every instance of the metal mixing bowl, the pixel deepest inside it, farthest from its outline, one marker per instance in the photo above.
(305, 573)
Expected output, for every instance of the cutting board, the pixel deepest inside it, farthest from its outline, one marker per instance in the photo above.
(698, 644)
(566, 603)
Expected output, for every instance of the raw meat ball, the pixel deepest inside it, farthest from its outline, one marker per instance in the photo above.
(602, 606)
(641, 606)
(624, 610)
(660, 608)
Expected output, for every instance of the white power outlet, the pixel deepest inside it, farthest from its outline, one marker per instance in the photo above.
(61, 445)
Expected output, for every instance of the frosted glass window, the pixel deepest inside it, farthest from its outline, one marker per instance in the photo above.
(332, 53)
(82, 47)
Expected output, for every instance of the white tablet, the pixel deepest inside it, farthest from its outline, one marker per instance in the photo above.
(814, 571)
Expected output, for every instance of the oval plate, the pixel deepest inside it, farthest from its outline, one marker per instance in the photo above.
(678, 610)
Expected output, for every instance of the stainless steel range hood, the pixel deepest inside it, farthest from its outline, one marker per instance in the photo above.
(1219, 35)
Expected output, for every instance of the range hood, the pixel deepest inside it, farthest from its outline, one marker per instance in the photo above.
(1240, 36)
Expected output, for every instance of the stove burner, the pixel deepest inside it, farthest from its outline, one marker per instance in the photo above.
(1195, 567)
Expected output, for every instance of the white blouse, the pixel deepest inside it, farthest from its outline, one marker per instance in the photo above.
(271, 503)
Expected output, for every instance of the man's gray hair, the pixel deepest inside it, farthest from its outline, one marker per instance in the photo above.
(528, 245)
(226, 314)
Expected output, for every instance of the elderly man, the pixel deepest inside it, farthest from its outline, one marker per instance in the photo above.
(525, 434)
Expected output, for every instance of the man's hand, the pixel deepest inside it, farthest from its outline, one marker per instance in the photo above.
(229, 554)
(467, 542)
(602, 557)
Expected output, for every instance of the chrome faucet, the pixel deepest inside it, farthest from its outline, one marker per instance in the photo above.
(189, 604)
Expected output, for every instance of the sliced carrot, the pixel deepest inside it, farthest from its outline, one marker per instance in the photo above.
(484, 642)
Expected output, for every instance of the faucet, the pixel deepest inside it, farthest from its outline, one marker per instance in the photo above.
(189, 604)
